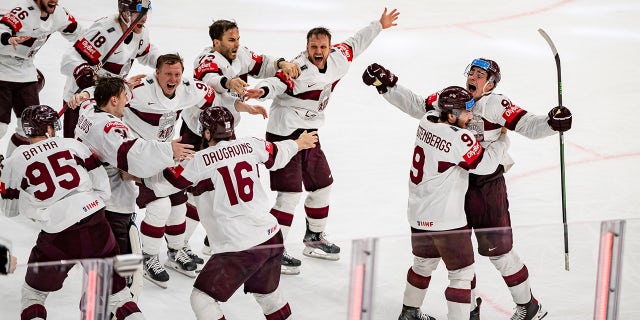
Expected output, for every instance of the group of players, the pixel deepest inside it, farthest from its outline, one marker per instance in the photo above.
(123, 156)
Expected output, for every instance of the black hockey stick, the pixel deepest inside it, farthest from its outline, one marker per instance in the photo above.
(146, 4)
(561, 135)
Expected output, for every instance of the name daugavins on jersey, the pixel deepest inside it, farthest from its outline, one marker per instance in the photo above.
(433, 140)
(226, 153)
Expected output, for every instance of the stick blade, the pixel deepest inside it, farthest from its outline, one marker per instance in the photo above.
(549, 41)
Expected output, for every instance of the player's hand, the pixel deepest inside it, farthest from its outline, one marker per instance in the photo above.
(134, 81)
(85, 76)
(15, 41)
(290, 69)
(389, 20)
(560, 119)
(379, 77)
(257, 109)
(238, 85)
(182, 151)
(307, 140)
(77, 99)
(253, 94)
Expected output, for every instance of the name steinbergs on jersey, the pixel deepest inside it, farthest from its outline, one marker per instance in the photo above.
(433, 140)
(226, 153)
(33, 151)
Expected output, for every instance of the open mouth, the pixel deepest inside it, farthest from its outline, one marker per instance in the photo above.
(171, 86)
(52, 5)
(317, 59)
(471, 87)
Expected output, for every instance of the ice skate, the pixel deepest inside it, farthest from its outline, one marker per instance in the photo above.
(154, 271)
(179, 260)
(475, 313)
(529, 311)
(206, 250)
(317, 246)
(290, 265)
(411, 313)
(194, 257)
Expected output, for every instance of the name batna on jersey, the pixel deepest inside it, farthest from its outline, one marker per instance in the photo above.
(474, 152)
(433, 140)
(33, 151)
(227, 152)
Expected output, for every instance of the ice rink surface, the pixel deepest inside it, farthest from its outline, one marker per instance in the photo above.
(369, 142)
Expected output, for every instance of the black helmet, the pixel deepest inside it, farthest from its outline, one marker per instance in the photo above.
(219, 121)
(35, 120)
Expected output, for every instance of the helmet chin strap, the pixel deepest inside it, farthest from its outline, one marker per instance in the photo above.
(121, 18)
(489, 81)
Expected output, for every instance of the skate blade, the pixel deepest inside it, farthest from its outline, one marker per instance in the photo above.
(160, 284)
(541, 313)
(317, 253)
(289, 270)
(176, 267)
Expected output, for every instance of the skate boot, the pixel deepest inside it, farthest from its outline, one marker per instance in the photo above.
(411, 313)
(529, 311)
(317, 246)
(154, 271)
(194, 257)
(180, 261)
(475, 313)
(206, 250)
(290, 265)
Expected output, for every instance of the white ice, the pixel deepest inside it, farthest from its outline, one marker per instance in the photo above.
(369, 143)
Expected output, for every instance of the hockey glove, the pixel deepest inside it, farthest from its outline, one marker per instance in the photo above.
(560, 119)
(380, 77)
(84, 76)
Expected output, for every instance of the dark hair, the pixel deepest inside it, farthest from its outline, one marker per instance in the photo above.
(107, 87)
(219, 27)
(170, 59)
(319, 31)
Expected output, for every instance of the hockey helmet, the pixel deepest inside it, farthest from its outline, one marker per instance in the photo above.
(490, 66)
(219, 121)
(131, 5)
(35, 120)
(455, 98)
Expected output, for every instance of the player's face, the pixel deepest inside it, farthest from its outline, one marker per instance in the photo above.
(464, 118)
(228, 45)
(476, 81)
(318, 48)
(169, 77)
(48, 6)
(121, 102)
(140, 25)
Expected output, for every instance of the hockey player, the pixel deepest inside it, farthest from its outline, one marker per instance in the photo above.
(486, 201)
(152, 115)
(80, 62)
(225, 66)
(298, 105)
(58, 183)
(101, 129)
(23, 31)
(245, 239)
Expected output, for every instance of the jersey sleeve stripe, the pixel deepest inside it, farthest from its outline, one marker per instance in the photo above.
(123, 153)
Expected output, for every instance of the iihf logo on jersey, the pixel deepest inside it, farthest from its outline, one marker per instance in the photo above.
(90, 205)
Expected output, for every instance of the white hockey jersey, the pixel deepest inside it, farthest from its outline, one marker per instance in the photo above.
(153, 116)
(109, 139)
(55, 182)
(16, 65)
(232, 204)
(211, 66)
(490, 113)
(439, 177)
(94, 44)
(300, 103)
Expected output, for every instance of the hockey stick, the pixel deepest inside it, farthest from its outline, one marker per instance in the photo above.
(144, 8)
(562, 181)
